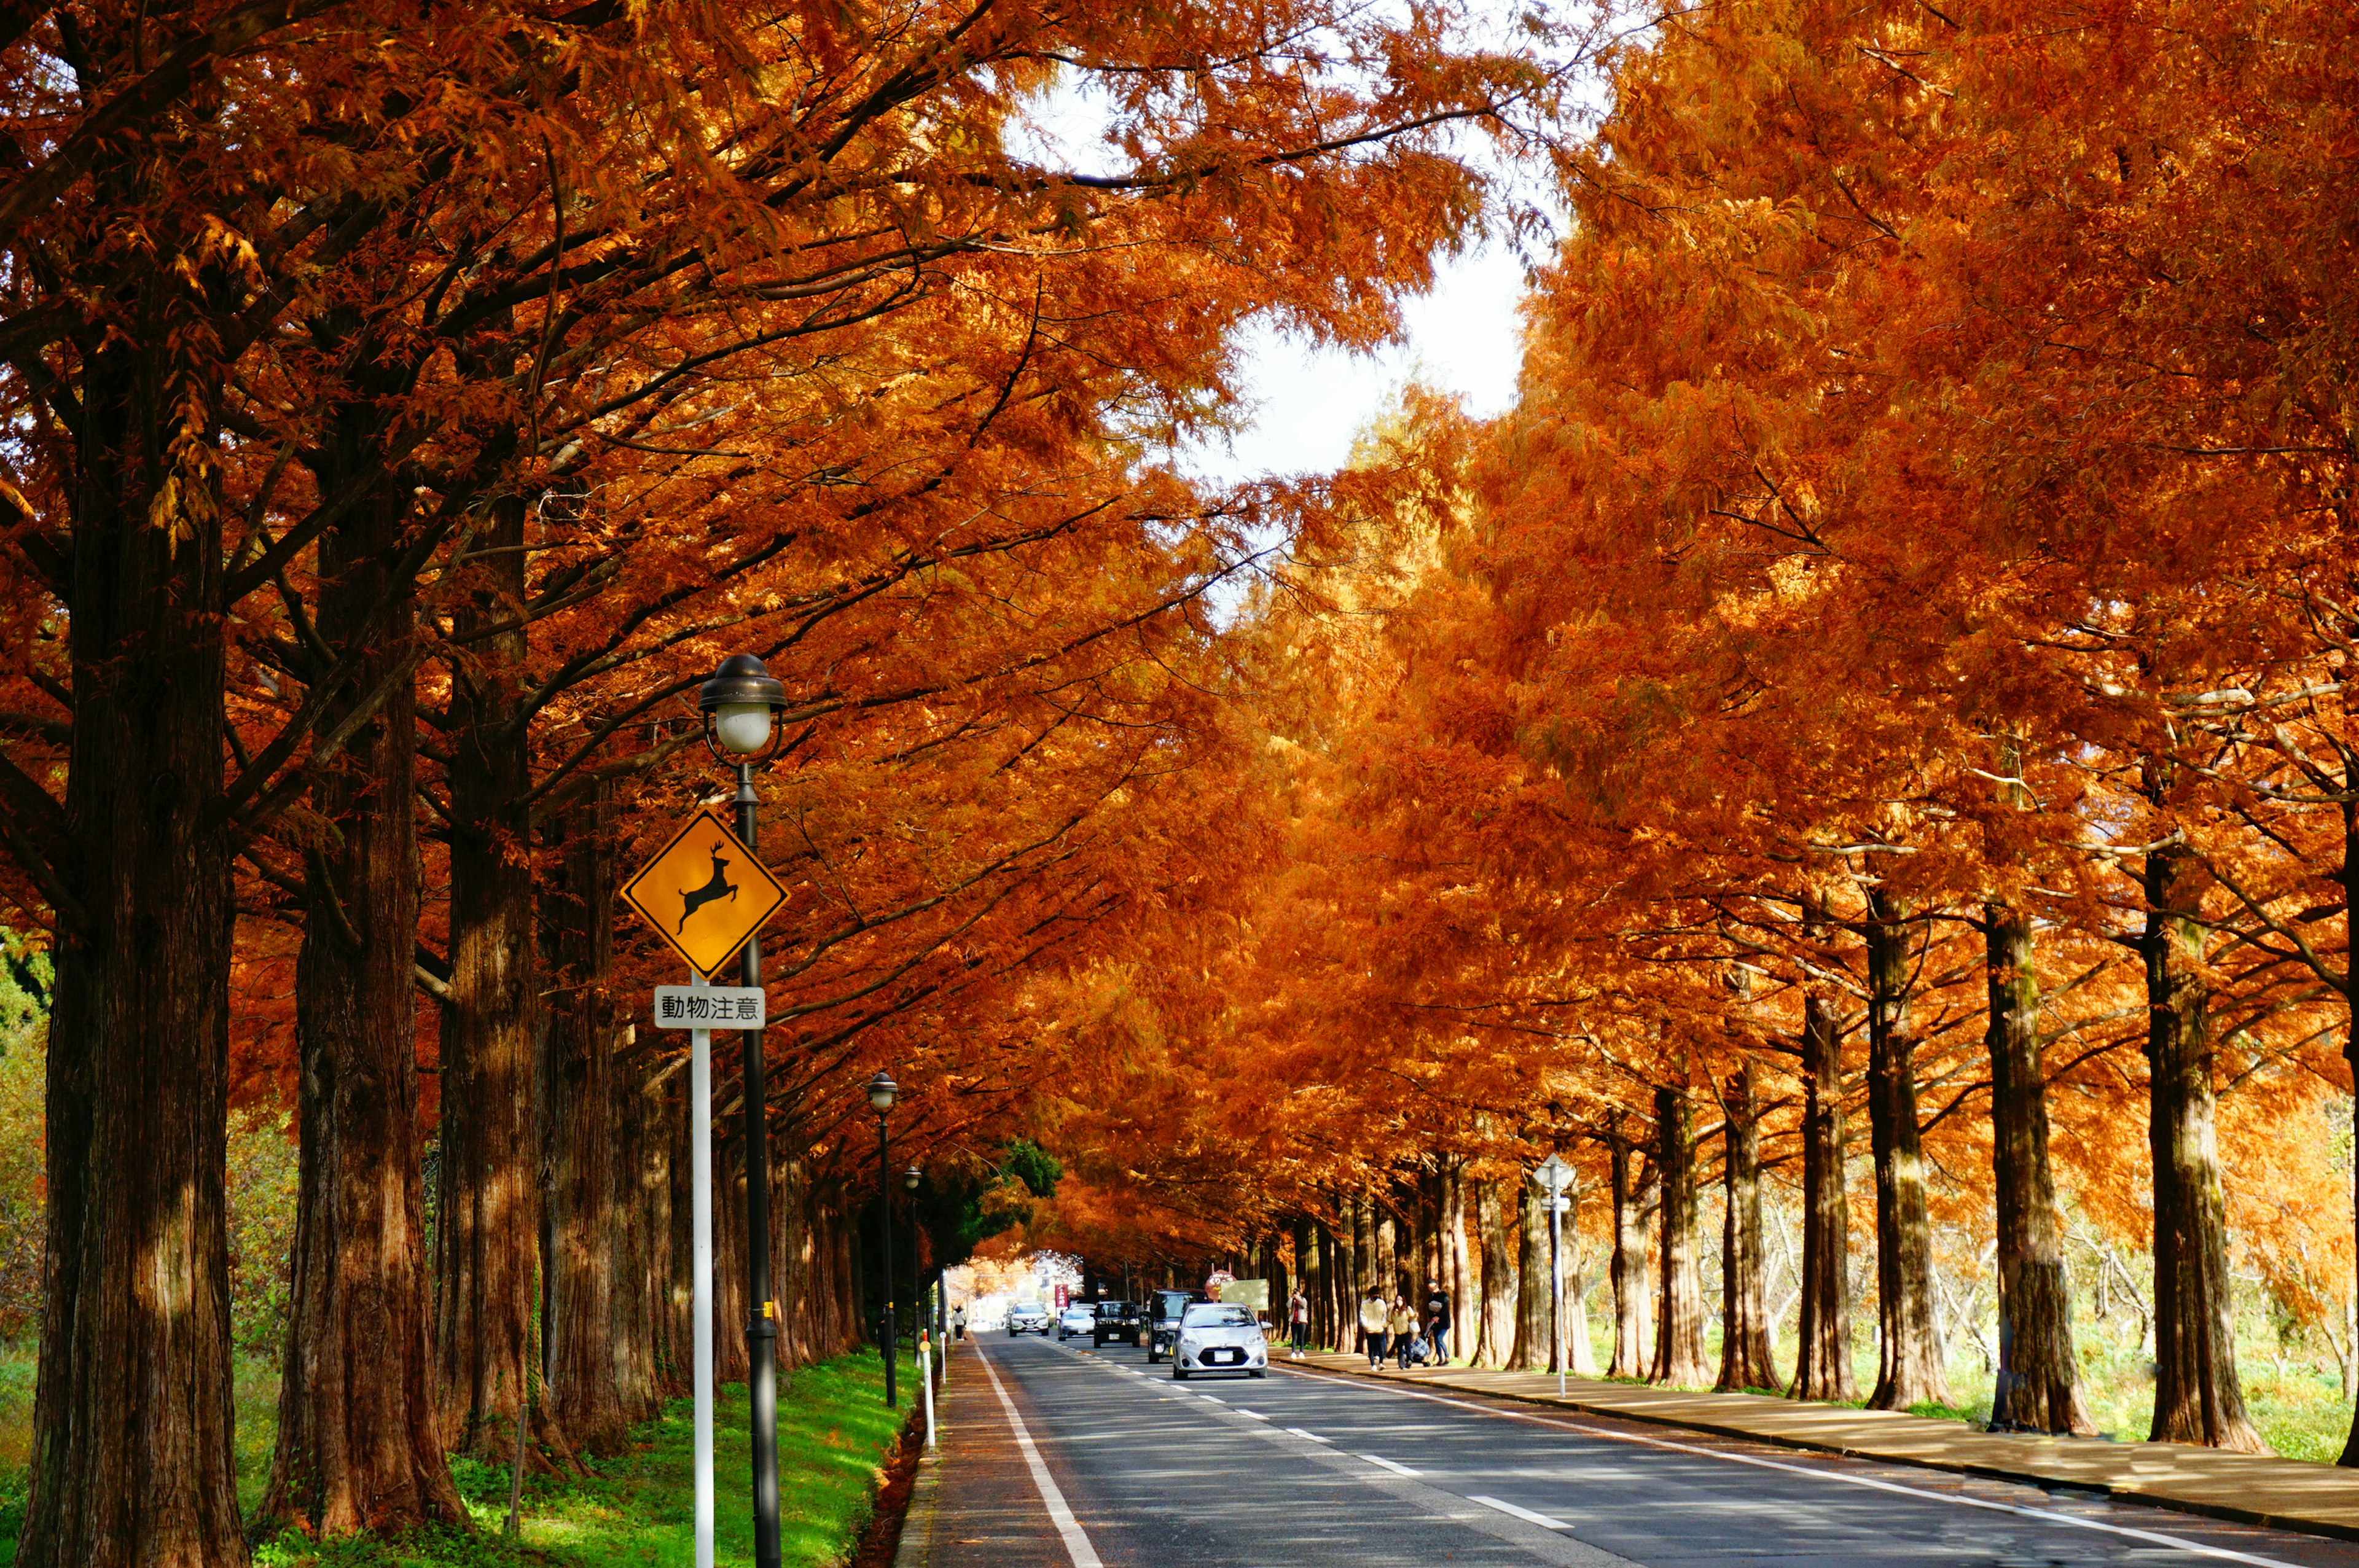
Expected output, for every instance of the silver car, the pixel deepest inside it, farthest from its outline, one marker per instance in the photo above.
(1078, 1318)
(1215, 1337)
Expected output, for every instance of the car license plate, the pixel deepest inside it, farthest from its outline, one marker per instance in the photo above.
(1228, 1358)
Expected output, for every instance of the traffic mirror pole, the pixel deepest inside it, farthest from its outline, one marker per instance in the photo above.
(762, 1326)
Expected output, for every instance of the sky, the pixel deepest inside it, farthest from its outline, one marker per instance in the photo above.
(1308, 404)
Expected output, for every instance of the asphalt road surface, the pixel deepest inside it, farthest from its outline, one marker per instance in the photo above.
(1115, 1465)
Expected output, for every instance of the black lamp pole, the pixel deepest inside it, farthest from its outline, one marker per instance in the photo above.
(739, 703)
(881, 1091)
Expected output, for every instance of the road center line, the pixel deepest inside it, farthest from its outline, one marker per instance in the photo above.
(1076, 1543)
(1384, 1463)
(2177, 1543)
(1256, 1414)
(1524, 1514)
(1312, 1436)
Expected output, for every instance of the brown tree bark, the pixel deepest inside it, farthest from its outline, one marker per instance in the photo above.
(1911, 1369)
(642, 1198)
(2197, 1396)
(1627, 1270)
(2038, 1381)
(1495, 1340)
(1679, 1322)
(582, 1129)
(1530, 1352)
(487, 1207)
(1460, 1279)
(360, 1446)
(1822, 1363)
(131, 1464)
(1747, 1359)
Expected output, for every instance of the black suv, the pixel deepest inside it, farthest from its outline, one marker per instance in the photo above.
(1167, 1308)
(1123, 1322)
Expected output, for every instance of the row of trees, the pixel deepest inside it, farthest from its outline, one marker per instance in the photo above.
(1883, 688)
(407, 408)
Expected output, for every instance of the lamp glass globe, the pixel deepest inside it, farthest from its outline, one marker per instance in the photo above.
(742, 727)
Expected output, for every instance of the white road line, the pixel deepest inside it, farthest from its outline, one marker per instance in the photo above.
(1077, 1544)
(2177, 1543)
(1256, 1414)
(1214, 1398)
(1383, 1464)
(1524, 1514)
(1311, 1435)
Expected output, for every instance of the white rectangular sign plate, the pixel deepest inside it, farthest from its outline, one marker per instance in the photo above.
(708, 1007)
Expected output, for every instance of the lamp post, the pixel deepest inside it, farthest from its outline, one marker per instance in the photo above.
(882, 1092)
(740, 704)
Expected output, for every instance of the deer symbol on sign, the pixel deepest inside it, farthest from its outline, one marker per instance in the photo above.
(718, 887)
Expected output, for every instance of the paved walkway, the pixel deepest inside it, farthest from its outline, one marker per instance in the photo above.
(2286, 1493)
(975, 1503)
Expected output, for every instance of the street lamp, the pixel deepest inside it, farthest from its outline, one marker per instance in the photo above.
(882, 1092)
(740, 704)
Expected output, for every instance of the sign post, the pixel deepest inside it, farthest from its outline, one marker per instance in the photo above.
(1554, 1176)
(706, 894)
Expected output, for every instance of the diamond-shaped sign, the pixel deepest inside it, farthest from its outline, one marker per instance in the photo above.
(1553, 1175)
(704, 893)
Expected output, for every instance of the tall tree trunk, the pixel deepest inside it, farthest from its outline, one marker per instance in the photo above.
(641, 1191)
(2039, 1381)
(1747, 1359)
(1627, 1270)
(1911, 1364)
(360, 1447)
(1678, 1324)
(488, 1211)
(583, 1117)
(131, 1464)
(2349, 1458)
(1494, 1341)
(1822, 1364)
(1464, 1285)
(2197, 1395)
(1530, 1352)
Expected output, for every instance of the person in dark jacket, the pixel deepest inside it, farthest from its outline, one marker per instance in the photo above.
(1436, 1321)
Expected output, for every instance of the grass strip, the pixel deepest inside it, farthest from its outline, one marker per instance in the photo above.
(637, 1511)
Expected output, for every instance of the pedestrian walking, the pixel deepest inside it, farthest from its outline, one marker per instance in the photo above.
(1298, 1317)
(1374, 1313)
(1436, 1321)
(958, 1322)
(1401, 1324)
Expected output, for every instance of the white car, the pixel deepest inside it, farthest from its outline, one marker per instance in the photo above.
(1078, 1318)
(1215, 1337)
(1027, 1318)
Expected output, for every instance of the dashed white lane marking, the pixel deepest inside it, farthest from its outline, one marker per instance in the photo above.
(2177, 1543)
(1512, 1511)
(1214, 1398)
(1311, 1435)
(1076, 1543)
(1383, 1464)
(1256, 1414)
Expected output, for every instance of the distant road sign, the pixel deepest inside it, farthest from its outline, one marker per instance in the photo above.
(704, 893)
(1553, 1175)
(708, 1007)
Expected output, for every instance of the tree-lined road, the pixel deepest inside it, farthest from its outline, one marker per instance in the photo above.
(1307, 1469)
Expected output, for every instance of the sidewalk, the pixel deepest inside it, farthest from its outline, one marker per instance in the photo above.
(973, 1504)
(2287, 1494)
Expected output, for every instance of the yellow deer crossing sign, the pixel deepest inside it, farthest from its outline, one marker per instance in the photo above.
(704, 893)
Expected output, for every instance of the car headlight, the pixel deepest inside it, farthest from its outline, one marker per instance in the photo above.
(1189, 1342)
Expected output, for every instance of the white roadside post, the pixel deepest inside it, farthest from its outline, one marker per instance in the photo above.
(926, 1376)
(1554, 1176)
(697, 1008)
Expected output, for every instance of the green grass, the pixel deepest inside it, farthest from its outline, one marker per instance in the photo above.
(637, 1511)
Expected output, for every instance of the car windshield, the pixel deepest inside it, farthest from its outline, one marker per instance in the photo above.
(1217, 1317)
